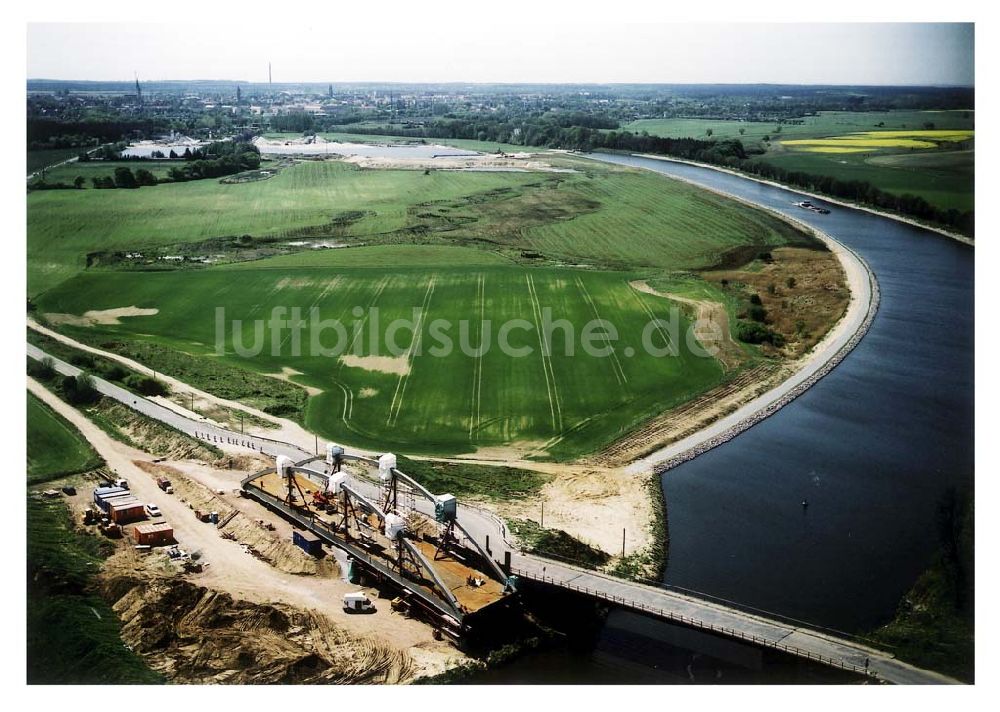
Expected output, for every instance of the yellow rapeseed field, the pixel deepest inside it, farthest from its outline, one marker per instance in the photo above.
(873, 140)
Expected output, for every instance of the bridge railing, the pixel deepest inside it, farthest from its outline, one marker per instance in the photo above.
(663, 586)
(699, 624)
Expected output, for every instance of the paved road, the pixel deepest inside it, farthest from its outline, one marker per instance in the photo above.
(485, 526)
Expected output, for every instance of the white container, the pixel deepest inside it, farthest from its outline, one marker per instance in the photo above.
(334, 482)
(283, 465)
(394, 525)
(386, 464)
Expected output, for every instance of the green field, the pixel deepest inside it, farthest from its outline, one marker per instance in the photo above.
(462, 246)
(564, 405)
(55, 448)
(607, 217)
(826, 123)
(945, 179)
(98, 169)
(942, 176)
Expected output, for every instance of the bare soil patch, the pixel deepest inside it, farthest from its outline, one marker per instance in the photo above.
(395, 365)
(102, 317)
(286, 375)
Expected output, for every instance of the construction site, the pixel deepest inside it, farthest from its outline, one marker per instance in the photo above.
(394, 532)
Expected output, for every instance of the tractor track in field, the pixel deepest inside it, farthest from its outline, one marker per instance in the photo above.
(418, 333)
(555, 404)
(475, 417)
(616, 363)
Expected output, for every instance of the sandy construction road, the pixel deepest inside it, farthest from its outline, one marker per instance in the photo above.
(240, 574)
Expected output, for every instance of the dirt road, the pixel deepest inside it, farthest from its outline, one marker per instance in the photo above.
(232, 570)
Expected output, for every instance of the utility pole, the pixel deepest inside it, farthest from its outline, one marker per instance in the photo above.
(623, 542)
(241, 423)
(317, 443)
(542, 523)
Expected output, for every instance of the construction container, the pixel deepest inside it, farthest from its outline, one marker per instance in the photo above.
(125, 511)
(283, 465)
(101, 493)
(445, 508)
(308, 542)
(107, 500)
(157, 534)
(334, 453)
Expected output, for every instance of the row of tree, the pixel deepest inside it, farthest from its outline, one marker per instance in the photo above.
(124, 178)
(215, 160)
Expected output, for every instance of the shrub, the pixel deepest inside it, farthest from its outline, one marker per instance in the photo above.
(79, 390)
(82, 360)
(752, 332)
(757, 312)
(145, 385)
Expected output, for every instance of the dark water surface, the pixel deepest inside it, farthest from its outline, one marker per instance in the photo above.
(872, 447)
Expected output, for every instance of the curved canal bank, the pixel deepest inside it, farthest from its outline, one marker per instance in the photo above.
(873, 446)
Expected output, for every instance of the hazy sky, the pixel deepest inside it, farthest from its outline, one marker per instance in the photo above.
(549, 52)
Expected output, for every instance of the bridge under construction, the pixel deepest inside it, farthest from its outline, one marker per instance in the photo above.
(394, 531)
(467, 559)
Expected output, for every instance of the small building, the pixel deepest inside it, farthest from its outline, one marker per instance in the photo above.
(123, 510)
(308, 542)
(156, 534)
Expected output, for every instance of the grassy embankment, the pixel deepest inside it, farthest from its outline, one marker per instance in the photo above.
(938, 170)
(72, 634)
(466, 246)
(55, 448)
(119, 421)
(935, 624)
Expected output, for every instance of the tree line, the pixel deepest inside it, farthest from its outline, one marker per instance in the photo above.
(214, 160)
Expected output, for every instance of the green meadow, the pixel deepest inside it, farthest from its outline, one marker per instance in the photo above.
(55, 448)
(472, 247)
(561, 403)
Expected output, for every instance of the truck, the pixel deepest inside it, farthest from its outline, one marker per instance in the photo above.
(164, 484)
(358, 602)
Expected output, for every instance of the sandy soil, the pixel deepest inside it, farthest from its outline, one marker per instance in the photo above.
(233, 570)
(287, 374)
(593, 504)
(395, 365)
(484, 162)
(590, 501)
(101, 317)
